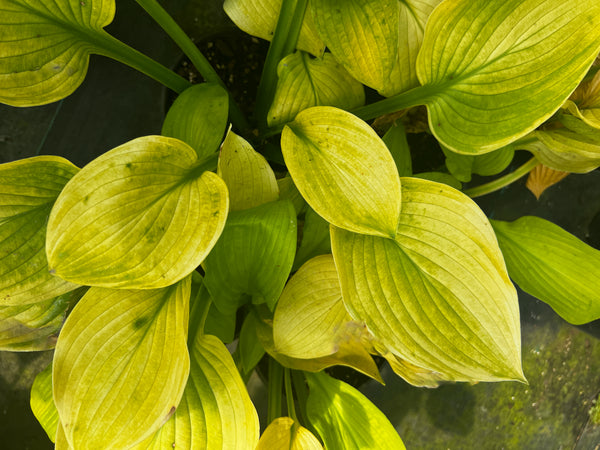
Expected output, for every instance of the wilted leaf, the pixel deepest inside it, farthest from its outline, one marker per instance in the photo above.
(28, 189)
(198, 117)
(511, 66)
(42, 403)
(438, 296)
(249, 178)
(121, 364)
(343, 170)
(305, 81)
(541, 178)
(345, 418)
(143, 215)
(552, 265)
(281, 435)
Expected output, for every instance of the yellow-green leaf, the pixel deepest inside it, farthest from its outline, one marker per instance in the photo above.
(362, 35)
(28, 190)
(42, 403)
(121, 364)
(215, 411)
(492, 163)
(552, 265)
(343, 170)
(497, 70)
(345, 418)
(249, 178)
(585, 101)
(282, 435)
(259, 18)
(438, 296)
(142, 216)
(198, 117)
(250, 349)
(45, 47)
(315, 238)
(305, 81)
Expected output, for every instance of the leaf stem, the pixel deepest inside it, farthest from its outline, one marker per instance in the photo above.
(283, 43)
(275, 385)
(501, 182)
(289, 395)
(162, 17)
(301, 394)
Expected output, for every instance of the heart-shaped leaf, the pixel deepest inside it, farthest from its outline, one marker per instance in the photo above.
(552, 265)
(28, 190)
(250, 180)
(345, 418)
(438, 296)
(343, 170)
(198, 117)
(121, 364)
(45, 47)
(282, 435)
(42, 403)
(495, 71)
(305, 82)
(141, 216)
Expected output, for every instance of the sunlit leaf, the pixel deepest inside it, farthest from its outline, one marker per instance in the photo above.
(552, 265)
(249, 178)
(198, 117)
(28, 189)
(495, 71)
(253, 257)
(45, 47)
(250, 349)
(42, 403)
(440, 177)
(541, 178)
(281, 435)
(121, 364)
(345, 418)
(343, 170)
(143, 215)
(438, 296)
(395, 140)
(315, 238)
(259, 18)
(492, 163)
(305, 81)
(362, 35)
(215, 411)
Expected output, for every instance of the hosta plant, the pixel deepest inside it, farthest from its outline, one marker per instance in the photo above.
(139, 267)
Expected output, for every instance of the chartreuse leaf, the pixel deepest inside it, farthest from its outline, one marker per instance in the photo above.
(495, 71)
(249, 178)
(28, 189)
(345, 418)
(395, 140)
(585, 102)
(315, 238)
(440, 177)
(198, 117)
(438, 295)
(143, 215)
(552, 265)
(362, 35)
(253, 257)
(121, 364)
(343, 170)
(281, 435)
(215, 411)
(259, 18)
(492, 163)
(42, 403)
(305, 81)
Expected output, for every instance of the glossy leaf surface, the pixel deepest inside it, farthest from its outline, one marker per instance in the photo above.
(498, 70)
(552, 265)
(345, 418)
(438, 296)
(42, 403)
(45, 47)
(141, 216)
(198, 117)
(304, 82)
(343, 170)
(280, 435)
(121, 364)
(28, 190)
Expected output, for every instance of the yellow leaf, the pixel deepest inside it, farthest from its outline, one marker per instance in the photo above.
(282, 435)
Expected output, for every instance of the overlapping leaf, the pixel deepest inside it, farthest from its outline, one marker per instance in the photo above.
(249, 347)
(42, 403)
(304, 82)
(343, 170)
(345, 418)
(463, 166)
(121, 364)
(541, 178)
(28, 190)
(281, 435)
(143, 215)
(552, 265)
(45, 47)
(198, 117)
(395, 140)
(438, 295)
(497, 71)
(315, 238)
(585, 101)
